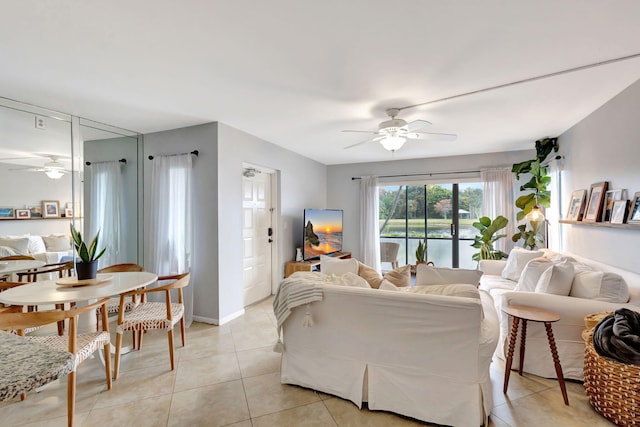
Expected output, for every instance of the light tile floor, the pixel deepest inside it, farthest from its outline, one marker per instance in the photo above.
(228, 376)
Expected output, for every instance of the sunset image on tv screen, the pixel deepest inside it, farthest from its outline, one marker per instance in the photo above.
(322, 232)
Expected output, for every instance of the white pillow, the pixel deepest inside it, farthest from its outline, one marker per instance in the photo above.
(350, 279)
(19, 244)
(36, 245)
(57, 242)
(518, 259)
(386, 285)
(556, 279)
(337, 266)
(454, 290)
(427, 276)
(531, 274)
(600, 286)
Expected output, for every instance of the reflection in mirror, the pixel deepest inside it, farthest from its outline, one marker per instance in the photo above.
(110, 190)
(35, 167)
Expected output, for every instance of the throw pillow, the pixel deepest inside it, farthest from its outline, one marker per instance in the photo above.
(57, 242)
(427, 276)
(600, 286)
(36, 245)
(556, 279)
(19, 244)
(350, 279)
(386, 285)
(531, 274)
(369, 274)
(518, 259)
(400, 277)
(454, 290)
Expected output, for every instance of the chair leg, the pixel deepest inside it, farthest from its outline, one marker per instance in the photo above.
(170, 336)
(140, 339)
(182, 330)
(71, 397)
(60, 323)
(116, 363)
(107, 364)
(133, 339)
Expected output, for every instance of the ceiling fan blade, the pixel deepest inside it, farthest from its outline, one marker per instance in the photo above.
(365, 141)
(432, 136)
(416, 125)
(360, 131)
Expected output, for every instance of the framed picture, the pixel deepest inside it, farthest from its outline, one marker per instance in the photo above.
(23, 213)
(619, 211)
(576, 205)
(596, 199)
(68, 212)
(50, 209)
(634, 210)
(607, 207)
(7, 213)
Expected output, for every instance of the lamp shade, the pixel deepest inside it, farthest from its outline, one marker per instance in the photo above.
(393, 143)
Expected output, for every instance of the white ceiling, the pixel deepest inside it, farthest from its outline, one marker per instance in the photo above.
(297, 72)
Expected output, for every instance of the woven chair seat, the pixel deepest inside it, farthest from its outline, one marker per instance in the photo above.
(87, 343)
(151, 315)
(113, 306)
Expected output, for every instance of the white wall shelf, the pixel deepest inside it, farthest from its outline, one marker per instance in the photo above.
(601, 224)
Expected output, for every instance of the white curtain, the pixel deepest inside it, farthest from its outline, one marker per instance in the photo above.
(169, 245)
(498, 199)
(369, 222)
(106, 209)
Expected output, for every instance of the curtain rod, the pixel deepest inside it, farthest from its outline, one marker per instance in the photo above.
(418, 174)
(194, 152)
(95, 163)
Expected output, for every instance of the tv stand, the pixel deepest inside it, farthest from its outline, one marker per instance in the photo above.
(292, 266)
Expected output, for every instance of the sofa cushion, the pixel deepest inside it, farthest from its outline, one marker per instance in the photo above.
(556, 279)
(401, 276)
(427, 276)
(36, 245)
(350, 279)
(600, 286)
(19, 244)
(454, 290)
(488, 282)
(531, 274)
(337, 266)
(518, 259)
(386, 285)
(369, 274)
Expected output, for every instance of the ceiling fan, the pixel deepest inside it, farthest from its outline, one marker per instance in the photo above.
(393, 133)
(53, 168)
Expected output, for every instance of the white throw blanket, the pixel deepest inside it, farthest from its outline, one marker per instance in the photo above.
(294, 291)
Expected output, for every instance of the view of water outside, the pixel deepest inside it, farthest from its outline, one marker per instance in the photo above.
(408, 214)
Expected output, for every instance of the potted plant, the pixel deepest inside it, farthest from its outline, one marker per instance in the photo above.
(487, 238)
(88, 267)
(421, 251)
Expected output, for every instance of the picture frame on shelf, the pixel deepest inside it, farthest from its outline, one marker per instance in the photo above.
(607, 207)
(597, 193)
(68, 212)
(36, 210)
(577, 205)
(23, 214)
(50, 209)
(7, 213)
(634, 210)
(619, 211)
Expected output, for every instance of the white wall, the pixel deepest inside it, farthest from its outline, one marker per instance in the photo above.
(344, 193)
(605, 146)
(217, 264)
(31, 188)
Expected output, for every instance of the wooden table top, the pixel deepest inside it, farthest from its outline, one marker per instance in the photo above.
(535, 314)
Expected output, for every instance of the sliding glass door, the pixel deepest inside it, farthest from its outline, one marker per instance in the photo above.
(443, 213)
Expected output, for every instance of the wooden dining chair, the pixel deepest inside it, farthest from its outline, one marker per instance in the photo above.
(153, 315)
(81, 345)
(15, 258)
(113, 306)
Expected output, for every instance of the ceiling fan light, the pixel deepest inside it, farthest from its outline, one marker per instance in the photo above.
(393, 143)
(54, 173)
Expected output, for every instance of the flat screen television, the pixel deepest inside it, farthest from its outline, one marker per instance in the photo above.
(322, 232)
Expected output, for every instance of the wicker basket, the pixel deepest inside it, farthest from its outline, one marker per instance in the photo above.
(591, 320)
(613, 388)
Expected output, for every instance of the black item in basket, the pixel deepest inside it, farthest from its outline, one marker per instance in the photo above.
(617, 337)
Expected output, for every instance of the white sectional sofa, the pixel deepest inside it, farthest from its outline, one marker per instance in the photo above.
(49, 248)
(587, 295)
(425, 356)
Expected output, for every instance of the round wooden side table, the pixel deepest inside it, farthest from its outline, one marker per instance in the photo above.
(534, 314)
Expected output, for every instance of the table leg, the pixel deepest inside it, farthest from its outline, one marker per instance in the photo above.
(523, 340)
(556, 362)
(512, 344)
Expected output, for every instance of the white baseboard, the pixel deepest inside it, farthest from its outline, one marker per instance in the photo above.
(219, 322)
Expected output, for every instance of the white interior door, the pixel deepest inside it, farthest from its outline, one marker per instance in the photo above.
(257, 237)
